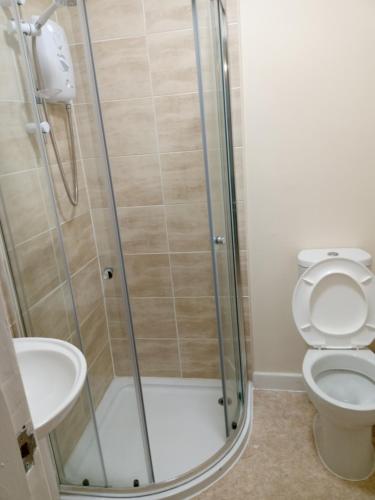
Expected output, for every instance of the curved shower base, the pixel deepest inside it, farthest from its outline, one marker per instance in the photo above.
(186, 484)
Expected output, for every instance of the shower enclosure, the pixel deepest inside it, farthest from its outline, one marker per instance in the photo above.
(143, 272)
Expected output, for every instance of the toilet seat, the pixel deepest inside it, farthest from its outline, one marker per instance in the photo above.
(334, 304)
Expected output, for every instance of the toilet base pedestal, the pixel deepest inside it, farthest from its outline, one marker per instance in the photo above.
(348, 453)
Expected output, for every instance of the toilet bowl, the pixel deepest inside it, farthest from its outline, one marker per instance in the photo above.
(334, 311)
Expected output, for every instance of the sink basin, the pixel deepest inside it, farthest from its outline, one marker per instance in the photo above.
(53, 373)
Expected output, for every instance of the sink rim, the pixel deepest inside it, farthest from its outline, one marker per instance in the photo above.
(64, 348)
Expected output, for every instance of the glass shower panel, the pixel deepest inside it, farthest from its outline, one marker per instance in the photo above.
(120, 413)
(210, 27)
(64, 259)
(29, 226)
(117, 399)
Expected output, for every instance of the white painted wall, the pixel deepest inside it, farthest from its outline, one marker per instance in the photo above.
(309, 115)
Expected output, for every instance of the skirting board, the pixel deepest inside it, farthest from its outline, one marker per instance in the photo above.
(278, 381)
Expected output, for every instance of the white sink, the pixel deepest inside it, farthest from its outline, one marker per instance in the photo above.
(53, 373)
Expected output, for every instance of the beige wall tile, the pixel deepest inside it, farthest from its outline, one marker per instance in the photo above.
(241, 221)
(71, 22)
(8, 92)
(165, 15)
(172, 61)
(118, 330)
(227, 325)
(148, 275)
(18, 148)
(94, 334)
(178, 123)
(136, 180)
(82, 80)
(118, 19)
(158, 358)
(188, 227)
(58, 254)
(183, 177)
(116, 310)
(59, 122)
(66, 210)
(200, 358)
(234, 55)
(96, 182)
(244, 276)
(249, 357)
(69, 306)
(87, 129)
(112, 287)
(106, 243)
(79, 241)
(232, 10)
(49, 316)
(196, 317)
(6, 294)
(87, 289)
(192, 274)
(222, 257)
(143, 229)
(122, 68)
(153, 318)
(236, 116)
(121, 358)
(37, 279)
(246, 315)
(136, 135)
(104, 231)
(239, 174)
(71, 428)
(24, 205)
(101, 374)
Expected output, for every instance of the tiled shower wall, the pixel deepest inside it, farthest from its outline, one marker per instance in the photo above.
(147, 82)
(145, 62)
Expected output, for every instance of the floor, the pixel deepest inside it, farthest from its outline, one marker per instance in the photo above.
(280, 462)
(185, 424)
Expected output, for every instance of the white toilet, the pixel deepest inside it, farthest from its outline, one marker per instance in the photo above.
(334, 311)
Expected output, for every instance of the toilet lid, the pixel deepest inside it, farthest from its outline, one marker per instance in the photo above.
(334, 304)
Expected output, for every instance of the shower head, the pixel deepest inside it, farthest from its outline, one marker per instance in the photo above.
(43, 18)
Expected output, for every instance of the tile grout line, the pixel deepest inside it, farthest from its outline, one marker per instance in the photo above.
(145, 33)
(151, 96)
(154, 153)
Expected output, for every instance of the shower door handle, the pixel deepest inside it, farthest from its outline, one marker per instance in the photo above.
(219, 240)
